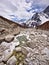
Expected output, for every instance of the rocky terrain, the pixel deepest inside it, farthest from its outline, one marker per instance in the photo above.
(23, 46)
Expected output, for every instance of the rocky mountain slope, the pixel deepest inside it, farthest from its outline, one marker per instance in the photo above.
(44, 26)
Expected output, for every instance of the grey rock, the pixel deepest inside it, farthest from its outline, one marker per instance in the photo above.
(9, 38)
(12, 61)
(6, 55)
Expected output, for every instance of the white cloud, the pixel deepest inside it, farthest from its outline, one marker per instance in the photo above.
(18, 7)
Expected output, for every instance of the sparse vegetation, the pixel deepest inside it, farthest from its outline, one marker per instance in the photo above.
(22, 39)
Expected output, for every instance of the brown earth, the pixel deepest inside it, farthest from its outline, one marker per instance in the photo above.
(44, 26)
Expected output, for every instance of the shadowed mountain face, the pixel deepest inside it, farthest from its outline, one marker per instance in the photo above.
(44, 26)
(46, 11)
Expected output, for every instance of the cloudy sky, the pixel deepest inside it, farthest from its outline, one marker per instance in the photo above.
(21, 10)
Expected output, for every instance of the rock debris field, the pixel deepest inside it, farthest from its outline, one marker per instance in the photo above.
(28, 47)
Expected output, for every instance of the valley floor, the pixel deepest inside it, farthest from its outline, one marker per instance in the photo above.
(28, 47)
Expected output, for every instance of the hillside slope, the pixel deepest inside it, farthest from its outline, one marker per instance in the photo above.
(8, 27)
(44, 26)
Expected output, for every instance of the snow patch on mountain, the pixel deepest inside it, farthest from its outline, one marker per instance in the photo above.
(37, 19)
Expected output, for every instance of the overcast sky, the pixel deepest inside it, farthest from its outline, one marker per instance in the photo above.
(21, 10)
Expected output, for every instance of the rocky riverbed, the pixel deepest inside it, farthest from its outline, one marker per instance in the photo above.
(27, 47)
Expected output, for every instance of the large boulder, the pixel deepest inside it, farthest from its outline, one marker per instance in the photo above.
(9, 38)
(12, 61)
(6, 55)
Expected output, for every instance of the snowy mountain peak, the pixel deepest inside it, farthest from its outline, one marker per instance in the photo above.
(37, 19)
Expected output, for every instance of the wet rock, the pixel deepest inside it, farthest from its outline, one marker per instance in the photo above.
(12, 61)
(9, 38)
